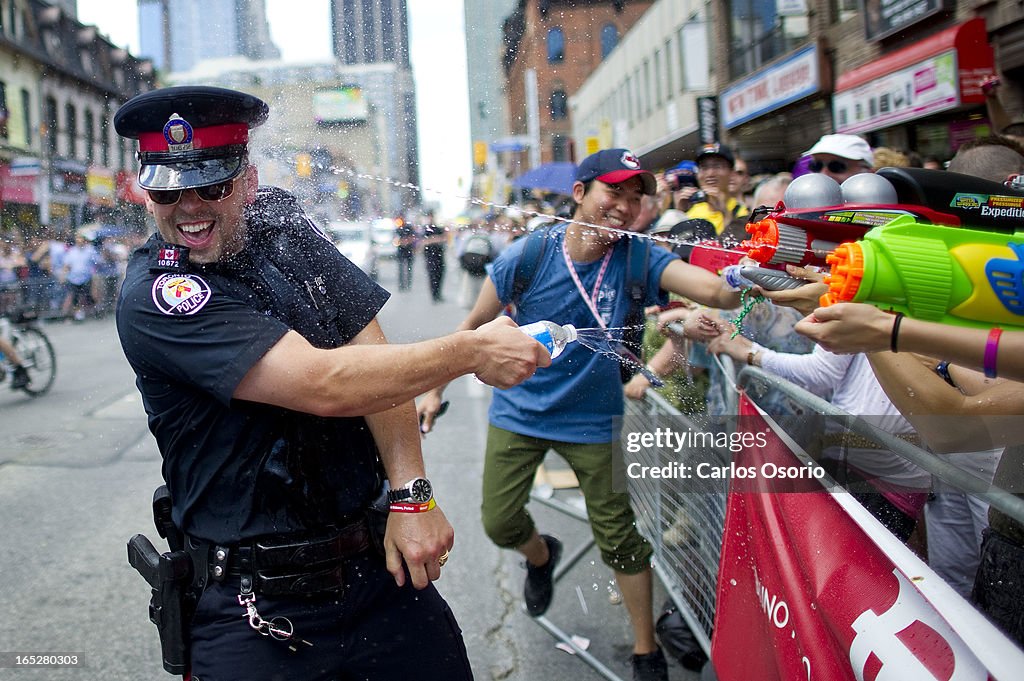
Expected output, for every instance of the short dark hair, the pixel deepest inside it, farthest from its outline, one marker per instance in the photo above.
(993, 158)
(1016, 129)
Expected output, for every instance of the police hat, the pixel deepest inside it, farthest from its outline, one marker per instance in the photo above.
(190, 136)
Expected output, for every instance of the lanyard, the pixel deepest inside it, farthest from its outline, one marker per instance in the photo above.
(591, 298)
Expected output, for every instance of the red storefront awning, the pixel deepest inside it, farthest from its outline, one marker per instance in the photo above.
(974, 57)
(17, 188)
(939, 74)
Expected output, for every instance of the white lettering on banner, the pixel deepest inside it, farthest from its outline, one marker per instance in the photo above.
(776, 610)
(792, 79)
(878, 636)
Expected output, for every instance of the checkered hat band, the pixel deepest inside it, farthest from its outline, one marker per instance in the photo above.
(173, 157)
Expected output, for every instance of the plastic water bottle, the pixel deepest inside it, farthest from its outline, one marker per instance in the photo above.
(552, 336)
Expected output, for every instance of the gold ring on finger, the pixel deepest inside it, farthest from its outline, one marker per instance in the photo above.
(442, 559)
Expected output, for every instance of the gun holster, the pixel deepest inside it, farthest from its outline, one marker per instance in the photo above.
(170, 577)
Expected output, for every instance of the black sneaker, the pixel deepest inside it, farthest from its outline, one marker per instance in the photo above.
(540, 583)
(20, 378)
(650, 667)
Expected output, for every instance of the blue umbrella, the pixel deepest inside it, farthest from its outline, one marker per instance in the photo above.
(551, 177)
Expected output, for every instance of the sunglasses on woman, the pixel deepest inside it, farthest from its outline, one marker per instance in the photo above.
(837, 167)
(209, 193)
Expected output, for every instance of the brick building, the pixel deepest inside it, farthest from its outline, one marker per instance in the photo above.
(905, 75)
(551, 47)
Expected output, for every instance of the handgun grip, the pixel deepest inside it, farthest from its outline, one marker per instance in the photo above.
(162, 519)
(143, 556)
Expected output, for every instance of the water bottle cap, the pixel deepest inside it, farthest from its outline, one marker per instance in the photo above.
(570, 332)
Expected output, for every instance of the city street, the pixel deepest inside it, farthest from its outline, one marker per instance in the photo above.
(77, 472)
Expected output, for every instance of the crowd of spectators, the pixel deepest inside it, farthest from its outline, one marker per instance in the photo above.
(71, 277)
(708, 199)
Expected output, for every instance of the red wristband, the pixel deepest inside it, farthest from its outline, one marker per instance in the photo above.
(992, 351)
(404, 507)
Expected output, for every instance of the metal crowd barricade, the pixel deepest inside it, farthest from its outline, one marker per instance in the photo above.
(685, 528)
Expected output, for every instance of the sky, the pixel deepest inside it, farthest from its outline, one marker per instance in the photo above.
(301, 30)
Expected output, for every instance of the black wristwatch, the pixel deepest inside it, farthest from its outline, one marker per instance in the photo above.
(417, 491)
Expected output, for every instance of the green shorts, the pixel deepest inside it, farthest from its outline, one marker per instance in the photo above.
(509, 468)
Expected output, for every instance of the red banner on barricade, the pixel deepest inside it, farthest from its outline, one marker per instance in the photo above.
(808, 589)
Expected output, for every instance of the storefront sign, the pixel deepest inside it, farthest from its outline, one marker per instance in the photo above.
(99, 185)
(884, 17)
(15, 187)
(67, 177)
(25, 166)
(707, 120)
(925, 88)
(772, 88)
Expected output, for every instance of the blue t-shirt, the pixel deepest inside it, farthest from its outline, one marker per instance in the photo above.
(574, 399)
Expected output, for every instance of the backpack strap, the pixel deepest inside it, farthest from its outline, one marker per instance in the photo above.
(529, 261)
(638, 256)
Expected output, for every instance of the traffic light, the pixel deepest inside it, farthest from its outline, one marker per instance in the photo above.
(303, 165)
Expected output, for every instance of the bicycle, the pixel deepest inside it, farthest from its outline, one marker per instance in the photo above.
(34, 349)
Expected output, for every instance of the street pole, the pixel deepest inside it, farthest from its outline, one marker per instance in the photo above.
(532, 116)
(45, 176)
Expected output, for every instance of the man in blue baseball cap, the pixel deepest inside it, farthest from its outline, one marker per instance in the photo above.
(582, 274)
(615, 166)
(289, 439)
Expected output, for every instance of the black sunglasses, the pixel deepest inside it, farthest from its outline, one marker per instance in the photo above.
(837, 167)
(211, 192)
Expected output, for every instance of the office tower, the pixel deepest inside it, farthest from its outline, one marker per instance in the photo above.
(377, 32)
(370, 31)
(484, 49)
(178, 34)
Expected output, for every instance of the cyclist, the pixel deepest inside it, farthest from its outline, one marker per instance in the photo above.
(20, 379)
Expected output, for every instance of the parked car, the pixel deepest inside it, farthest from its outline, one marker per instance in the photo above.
(354, 241)
(385, 237)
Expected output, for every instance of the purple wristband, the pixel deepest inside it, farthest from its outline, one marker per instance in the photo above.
(991, 352)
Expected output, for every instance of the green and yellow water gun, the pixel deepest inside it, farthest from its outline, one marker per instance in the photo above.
(953, 275)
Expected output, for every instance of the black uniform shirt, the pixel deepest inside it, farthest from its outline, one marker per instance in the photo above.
(238, 469)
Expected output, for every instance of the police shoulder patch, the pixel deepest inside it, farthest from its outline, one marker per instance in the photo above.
(180, 294)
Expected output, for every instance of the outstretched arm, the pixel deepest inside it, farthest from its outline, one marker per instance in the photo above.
(698, 284)
(361, 379)
(946, 418)
(858, 327)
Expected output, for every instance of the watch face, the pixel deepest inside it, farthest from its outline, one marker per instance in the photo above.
(421, 491)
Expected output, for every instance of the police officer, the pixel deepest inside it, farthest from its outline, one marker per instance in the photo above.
(280, 411)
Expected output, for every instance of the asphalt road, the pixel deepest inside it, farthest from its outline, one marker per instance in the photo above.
(77, 471)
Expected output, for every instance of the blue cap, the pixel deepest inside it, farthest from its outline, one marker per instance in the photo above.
(615, 166)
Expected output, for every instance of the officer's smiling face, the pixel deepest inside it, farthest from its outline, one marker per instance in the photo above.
(212, 230)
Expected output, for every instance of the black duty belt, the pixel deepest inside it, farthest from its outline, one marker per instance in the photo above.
(283, 565)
